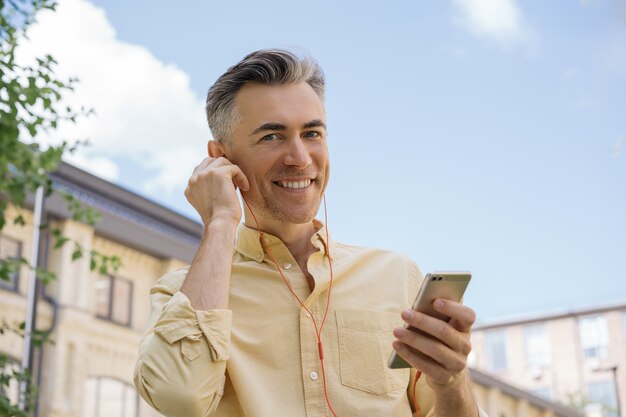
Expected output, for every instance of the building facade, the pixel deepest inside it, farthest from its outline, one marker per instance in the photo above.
(96, 320)
(576, 357)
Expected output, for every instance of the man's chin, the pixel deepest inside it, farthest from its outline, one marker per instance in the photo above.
(286, 213)
(293, 218)
(302, 216)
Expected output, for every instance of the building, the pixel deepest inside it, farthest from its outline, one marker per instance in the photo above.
(573, 357)
(97, 320)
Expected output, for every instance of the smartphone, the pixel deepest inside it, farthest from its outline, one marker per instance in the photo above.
(446, 285)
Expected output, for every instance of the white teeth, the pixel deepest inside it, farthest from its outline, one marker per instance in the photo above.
(294, 184)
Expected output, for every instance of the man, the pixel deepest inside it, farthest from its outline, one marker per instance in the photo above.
(251, 328)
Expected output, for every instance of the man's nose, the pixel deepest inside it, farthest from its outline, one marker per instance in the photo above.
(298, 154)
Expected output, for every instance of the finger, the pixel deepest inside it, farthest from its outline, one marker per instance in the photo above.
(233, 174)
(438, 329)
(461, 317)
(208, 165)
(218, 162)
(222, 160)
(239, 178)
(448, 358)
(202, 165)
(422, 363)
(210, 168)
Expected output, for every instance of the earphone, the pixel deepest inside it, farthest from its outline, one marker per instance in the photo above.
(318, 332)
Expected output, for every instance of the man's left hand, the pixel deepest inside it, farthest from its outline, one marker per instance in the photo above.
(437, 348)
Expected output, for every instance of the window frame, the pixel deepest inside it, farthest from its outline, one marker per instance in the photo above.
(5, 285)
(97, 400)
(601, 351)
(489, 335)
(109, 316)
(608, 410)
(540, 358)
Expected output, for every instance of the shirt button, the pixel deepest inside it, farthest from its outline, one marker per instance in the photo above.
(259, 256)
(287, 265)
(308, 314)
(313, 375)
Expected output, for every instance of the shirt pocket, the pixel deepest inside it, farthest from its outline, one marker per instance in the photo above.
(364, 347)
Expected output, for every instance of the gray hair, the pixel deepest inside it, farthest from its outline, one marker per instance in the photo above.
(267, 66)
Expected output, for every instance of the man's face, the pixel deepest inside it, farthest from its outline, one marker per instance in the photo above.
(280, 145)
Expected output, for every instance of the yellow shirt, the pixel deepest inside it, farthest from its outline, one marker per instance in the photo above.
(260, 358)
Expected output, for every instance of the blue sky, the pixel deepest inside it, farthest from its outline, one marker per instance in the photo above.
(485, 135)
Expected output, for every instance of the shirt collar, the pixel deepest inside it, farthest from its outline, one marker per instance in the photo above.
(248, 241)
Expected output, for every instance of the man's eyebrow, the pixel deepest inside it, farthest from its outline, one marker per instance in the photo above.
(268, 126)
(314, 123)
(280, 126)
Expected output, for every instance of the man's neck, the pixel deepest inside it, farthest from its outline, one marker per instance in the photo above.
(297, 237)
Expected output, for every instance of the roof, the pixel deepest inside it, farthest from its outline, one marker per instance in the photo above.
(535, 318)
(127, 217)
(487, 380)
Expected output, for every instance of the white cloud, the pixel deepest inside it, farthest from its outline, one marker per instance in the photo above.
(97, 165)
(499, 20)
(145, 109)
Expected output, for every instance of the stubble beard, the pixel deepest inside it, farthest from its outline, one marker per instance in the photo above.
(291, 216)
(297, 214)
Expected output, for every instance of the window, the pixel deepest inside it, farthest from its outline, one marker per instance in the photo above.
(545, 393)
(594, 337)
(11, 390)
(537, 346)
(603, 393)
(108, 397)
(10, 249)
(114, 299)
(496, 349)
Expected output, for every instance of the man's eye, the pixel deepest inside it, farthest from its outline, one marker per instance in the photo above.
(312, 134)
(269, 138)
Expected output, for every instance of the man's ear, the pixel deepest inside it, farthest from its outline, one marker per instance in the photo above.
(216, 149)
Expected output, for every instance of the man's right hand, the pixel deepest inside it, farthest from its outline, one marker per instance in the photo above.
(211, 190)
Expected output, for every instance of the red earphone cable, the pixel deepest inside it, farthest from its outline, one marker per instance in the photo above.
(318, 332)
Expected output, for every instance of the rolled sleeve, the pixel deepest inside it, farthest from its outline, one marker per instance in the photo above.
(167, 374)
(180, 322)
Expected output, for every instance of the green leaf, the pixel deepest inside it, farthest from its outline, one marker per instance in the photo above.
(77, 254)
(30, 97)
(116, 262)
(45, 276)
(60, 242)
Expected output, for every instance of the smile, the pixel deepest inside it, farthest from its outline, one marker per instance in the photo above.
(294, 184)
